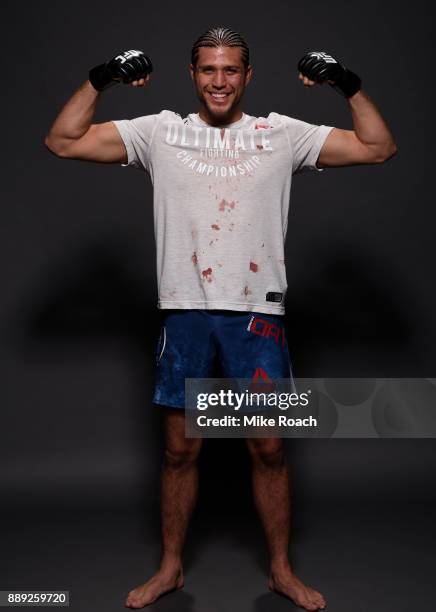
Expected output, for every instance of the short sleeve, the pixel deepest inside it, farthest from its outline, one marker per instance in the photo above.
(306, 141)
(137, 135)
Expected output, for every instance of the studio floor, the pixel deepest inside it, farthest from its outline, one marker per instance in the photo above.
(362, 557)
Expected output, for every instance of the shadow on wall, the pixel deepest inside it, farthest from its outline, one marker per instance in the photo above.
(97, 294)
(96, 306)
(349, 315)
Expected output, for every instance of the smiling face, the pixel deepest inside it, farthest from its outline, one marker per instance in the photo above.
(220, 78)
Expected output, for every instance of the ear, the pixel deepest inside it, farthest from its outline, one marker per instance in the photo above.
(248, 75)
(191, 70)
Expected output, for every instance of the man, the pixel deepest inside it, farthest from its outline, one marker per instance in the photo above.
(221, 181)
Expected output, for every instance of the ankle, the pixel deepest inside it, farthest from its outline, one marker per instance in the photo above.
(171, 563)
(280, 565)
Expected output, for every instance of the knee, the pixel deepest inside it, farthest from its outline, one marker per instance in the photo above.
(183, 454)
(267, 451)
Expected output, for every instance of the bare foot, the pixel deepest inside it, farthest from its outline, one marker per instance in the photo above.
(287, 584)
(160, 583)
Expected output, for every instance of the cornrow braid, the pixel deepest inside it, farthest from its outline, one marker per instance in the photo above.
(220, 37)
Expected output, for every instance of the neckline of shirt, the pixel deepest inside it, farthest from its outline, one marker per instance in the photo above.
(195, 118)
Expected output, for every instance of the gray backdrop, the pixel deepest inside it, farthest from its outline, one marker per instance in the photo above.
(81, 441)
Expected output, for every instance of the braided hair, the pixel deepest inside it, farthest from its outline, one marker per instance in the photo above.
(221, 37)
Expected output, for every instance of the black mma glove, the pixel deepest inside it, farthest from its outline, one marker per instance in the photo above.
(125, 67)
(320, 66)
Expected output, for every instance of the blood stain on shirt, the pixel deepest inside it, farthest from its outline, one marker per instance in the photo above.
(215, 226)
(206, 274)
(253, 266)
(224, 204)
(260, 147)
(194, 258)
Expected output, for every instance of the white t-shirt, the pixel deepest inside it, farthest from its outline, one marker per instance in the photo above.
(221, 202)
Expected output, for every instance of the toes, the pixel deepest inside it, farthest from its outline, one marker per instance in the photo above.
(320, 604)
(132, 600)
(319, 600)
(314, 600)
(313, 605)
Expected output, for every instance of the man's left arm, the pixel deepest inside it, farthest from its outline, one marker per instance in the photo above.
(370, 142)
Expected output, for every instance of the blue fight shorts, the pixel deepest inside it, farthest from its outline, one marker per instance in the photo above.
(204, 343)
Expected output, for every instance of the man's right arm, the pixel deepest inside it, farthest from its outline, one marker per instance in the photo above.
(73, 136)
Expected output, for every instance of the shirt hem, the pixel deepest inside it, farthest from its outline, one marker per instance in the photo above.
(219, 305)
